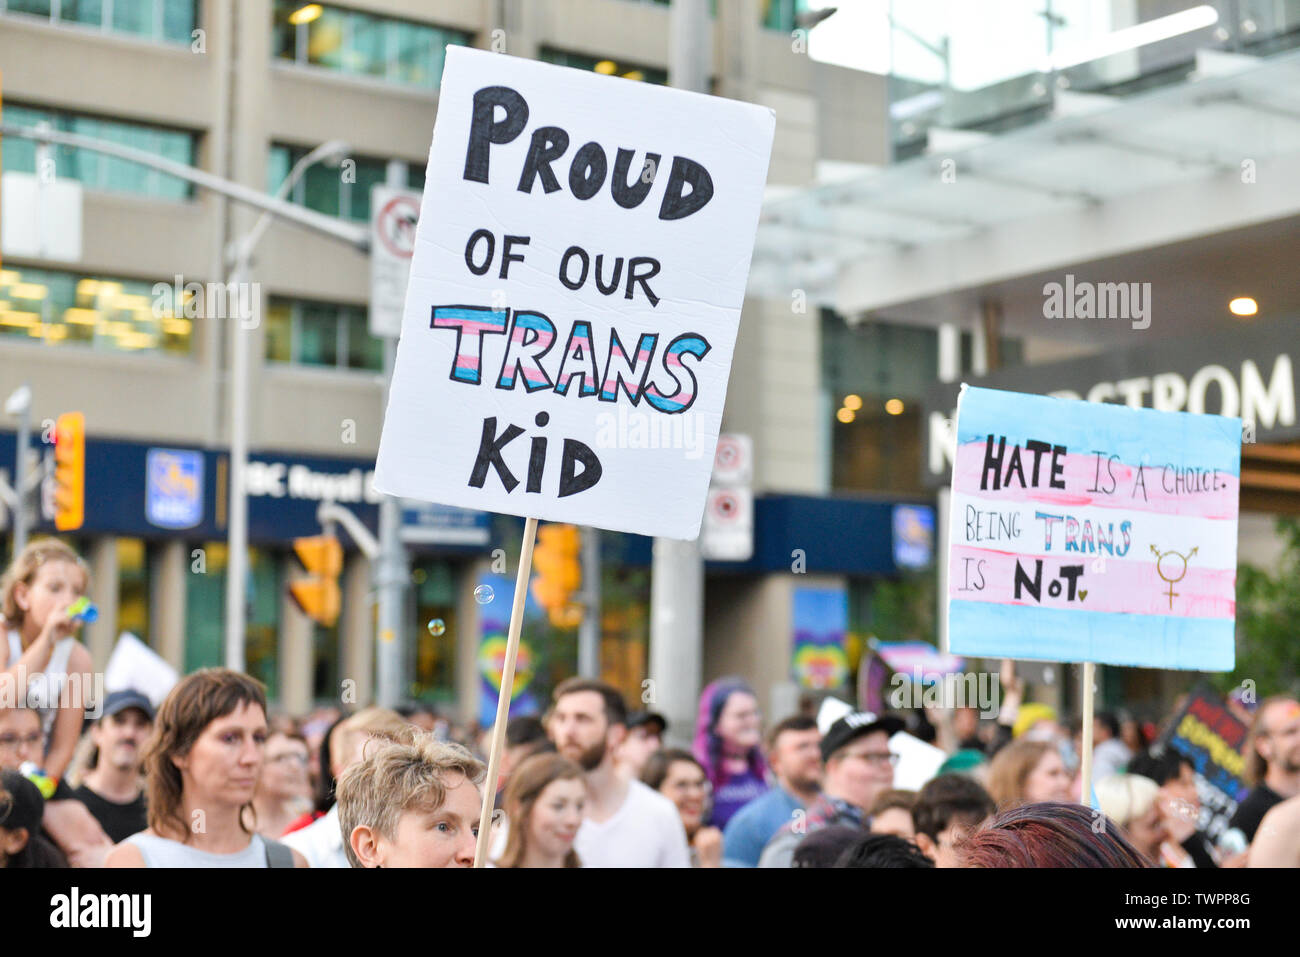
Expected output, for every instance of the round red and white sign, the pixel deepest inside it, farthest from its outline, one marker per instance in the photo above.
(396, 225)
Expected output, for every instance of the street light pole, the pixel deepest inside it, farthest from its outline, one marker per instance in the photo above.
(20, 404)
(237, 529)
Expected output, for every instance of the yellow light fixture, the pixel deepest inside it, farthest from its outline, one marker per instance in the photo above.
(894, 406)
(634, 75)
(88, 287)
(853, 402)
(607, 67)
(27, 290)
(845, 415)
(176, 327)
(81, 317)
(12, 318)
(9, 276)
(36, 330)
(1243, 306)
(305, 14)
(136, 340)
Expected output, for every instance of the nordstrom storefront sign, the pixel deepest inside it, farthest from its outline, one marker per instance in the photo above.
(1250, 373)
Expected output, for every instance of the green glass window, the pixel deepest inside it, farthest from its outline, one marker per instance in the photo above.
(321, 334)
(95, 170)
(334, 190)
(82, 11)
(170, 21)
(362, 44)
(178, 20)
(604, 65)
(318, 335)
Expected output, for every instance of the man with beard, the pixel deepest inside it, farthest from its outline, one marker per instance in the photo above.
(794, 753)
(626, 823)
(113, 791)
(1272, 762)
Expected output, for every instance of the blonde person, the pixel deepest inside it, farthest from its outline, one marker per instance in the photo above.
(40, 652)
(544, 801)
(1133, 802)
(411, 801)
(321, 842)
(1028, 772)
(202, 766)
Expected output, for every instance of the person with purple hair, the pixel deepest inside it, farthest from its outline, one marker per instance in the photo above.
(727, 736)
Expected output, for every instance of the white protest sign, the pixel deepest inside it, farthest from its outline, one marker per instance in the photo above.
(587, 254)
(134, 666)
(393, 215)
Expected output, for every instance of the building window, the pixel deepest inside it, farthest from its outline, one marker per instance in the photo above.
(133, 587)
(325, 189)
(433, 593)
(107, 315)
(362, 44)
(321, 334)
(780, 14)
(605, 65)
(205, 614)
(159, 21)
(96, 170)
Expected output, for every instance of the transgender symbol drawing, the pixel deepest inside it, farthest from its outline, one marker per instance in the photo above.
(1160, 557)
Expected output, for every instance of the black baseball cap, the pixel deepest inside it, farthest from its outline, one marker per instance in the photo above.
(638, 718)
(121, 700)
(21, 806)
(854, 725)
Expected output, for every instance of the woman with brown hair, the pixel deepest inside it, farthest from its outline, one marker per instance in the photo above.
(1028, 772)
(544, 801)
(202, 766)
(42, 652)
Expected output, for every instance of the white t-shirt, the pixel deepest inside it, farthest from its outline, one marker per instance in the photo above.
(646, 831)
(321, 841)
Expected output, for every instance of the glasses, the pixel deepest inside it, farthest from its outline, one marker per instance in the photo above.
(289, 757)
(875, 757)
(12, 742)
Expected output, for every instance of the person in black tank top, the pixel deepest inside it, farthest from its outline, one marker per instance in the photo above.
(113, 790)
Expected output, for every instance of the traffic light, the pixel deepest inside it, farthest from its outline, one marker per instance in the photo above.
(559, 573)
(69, 471)
(318, 596)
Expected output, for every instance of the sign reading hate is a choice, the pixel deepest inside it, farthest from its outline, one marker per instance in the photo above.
(1089, 532)
(583, 243)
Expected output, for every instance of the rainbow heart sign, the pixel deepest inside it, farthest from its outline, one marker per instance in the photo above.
(819, 620)
(494, 627)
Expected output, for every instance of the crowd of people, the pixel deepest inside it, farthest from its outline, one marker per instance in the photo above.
(213, 778)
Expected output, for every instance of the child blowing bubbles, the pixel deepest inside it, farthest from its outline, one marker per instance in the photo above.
(42, 650)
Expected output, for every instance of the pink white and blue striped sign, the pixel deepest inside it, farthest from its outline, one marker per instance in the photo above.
(1083, 531)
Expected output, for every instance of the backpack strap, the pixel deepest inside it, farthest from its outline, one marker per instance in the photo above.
(278, 855)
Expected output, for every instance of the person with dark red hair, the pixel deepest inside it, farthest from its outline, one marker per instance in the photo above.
(1049, 835)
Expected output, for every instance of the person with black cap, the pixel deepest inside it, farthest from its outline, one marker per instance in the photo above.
(21, 842)
(859, 765)
(113, 790)
(645, 736)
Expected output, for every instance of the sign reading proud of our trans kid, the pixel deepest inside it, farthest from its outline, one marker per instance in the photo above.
(1083, 531)
(583, 244)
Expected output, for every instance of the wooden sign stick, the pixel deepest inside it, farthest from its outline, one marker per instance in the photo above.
(505, 693)
(1085, 766)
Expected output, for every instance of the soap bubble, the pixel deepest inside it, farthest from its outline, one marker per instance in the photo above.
(483, 594)
(436, 627)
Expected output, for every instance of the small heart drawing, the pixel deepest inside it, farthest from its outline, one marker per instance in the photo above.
(1083, 593)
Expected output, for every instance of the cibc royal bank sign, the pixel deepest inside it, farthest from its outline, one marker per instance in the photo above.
(1250, 374)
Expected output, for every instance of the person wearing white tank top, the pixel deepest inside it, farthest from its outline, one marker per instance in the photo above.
(202, 769)
(40, 650)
